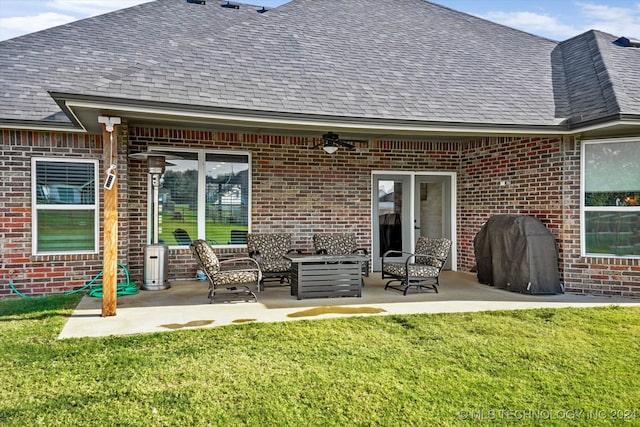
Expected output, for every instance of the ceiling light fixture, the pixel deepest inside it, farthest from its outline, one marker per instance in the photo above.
(330, 148)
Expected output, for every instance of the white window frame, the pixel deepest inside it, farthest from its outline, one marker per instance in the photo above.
(584, 209)
(35, 207)
(202, 181)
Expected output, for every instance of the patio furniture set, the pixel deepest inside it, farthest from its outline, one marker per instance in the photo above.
(334, 269)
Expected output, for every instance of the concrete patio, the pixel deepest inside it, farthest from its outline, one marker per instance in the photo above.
(185, 305)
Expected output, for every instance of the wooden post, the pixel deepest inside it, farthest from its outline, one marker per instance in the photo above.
(110, 256)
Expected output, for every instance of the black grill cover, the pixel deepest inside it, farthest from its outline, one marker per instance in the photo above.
(517, 253)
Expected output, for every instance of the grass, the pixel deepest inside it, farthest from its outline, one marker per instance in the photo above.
(216, 232)
(445, 369)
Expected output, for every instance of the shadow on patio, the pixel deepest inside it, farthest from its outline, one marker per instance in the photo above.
(185, 305)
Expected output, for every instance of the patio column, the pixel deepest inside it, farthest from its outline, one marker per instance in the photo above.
(110, 215)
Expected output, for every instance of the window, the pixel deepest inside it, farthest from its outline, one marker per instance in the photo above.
(65, 206)
(611, 187)
(205, 195)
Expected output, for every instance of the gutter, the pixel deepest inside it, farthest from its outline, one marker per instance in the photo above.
(73, 105)
(83, 110)
(604, 122)
(40, 125)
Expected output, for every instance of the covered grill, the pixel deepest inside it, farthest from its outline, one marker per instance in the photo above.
(517, 253)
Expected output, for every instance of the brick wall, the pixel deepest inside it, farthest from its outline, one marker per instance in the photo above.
(36, 275)
(294, 189)
(304, 191)
(521, 176)
(539, 177)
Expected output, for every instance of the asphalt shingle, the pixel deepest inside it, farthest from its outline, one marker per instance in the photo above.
(376, 59)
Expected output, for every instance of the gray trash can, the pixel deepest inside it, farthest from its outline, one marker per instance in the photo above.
(156, 259)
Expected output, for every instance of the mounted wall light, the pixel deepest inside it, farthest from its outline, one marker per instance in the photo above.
(109, 122)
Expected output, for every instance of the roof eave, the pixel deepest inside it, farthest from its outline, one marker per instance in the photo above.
(616, 119)
(40, 125)
(83, 110)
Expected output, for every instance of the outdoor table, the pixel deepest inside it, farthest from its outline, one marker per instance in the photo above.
(318, 276)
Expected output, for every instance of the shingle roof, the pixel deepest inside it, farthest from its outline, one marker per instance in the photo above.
(600, 77)
(90, 53)
(376, 59)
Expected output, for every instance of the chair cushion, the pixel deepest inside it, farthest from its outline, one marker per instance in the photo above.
(274, 265)
(235, 277)
(397, 269)
(335, 243)
(207, 256)
(270, 246)
(437, 247)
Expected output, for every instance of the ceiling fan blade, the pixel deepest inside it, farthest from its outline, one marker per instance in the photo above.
(345, 144)
(317, 145)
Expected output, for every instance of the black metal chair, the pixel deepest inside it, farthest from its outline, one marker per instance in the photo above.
(182, 237)
(238, 237)
(421, 269)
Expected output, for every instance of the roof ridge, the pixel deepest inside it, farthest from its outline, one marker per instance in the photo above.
(593, 63)
(434, 3)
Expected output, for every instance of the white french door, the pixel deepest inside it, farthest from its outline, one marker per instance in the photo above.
(407, 205)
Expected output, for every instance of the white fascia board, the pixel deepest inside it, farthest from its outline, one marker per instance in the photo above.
(277, 121)
(601, 126)
(41, 126)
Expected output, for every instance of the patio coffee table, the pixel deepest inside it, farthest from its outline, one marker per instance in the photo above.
(318, 276)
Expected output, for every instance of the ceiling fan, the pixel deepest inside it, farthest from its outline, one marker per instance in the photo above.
(331, 142)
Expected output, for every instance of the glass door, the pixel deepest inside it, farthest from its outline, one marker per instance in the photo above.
(407, 206)
(392, 211)
(432, 201)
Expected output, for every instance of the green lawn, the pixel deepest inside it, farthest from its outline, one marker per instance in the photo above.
(534, 367)
(218, 231)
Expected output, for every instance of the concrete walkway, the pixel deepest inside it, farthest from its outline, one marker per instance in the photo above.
(185, 305)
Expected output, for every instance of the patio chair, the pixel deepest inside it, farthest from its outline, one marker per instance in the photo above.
(269, 249)
(233, 275)
(340, 244)
(421, 269)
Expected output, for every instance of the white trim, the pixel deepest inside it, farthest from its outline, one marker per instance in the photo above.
(278, 121)
(201, 196)
(42, 127)
(309, 122)
(35, 207)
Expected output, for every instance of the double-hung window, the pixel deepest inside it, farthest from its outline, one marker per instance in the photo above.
(205, 194)
(610, 205)
(65, 206)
